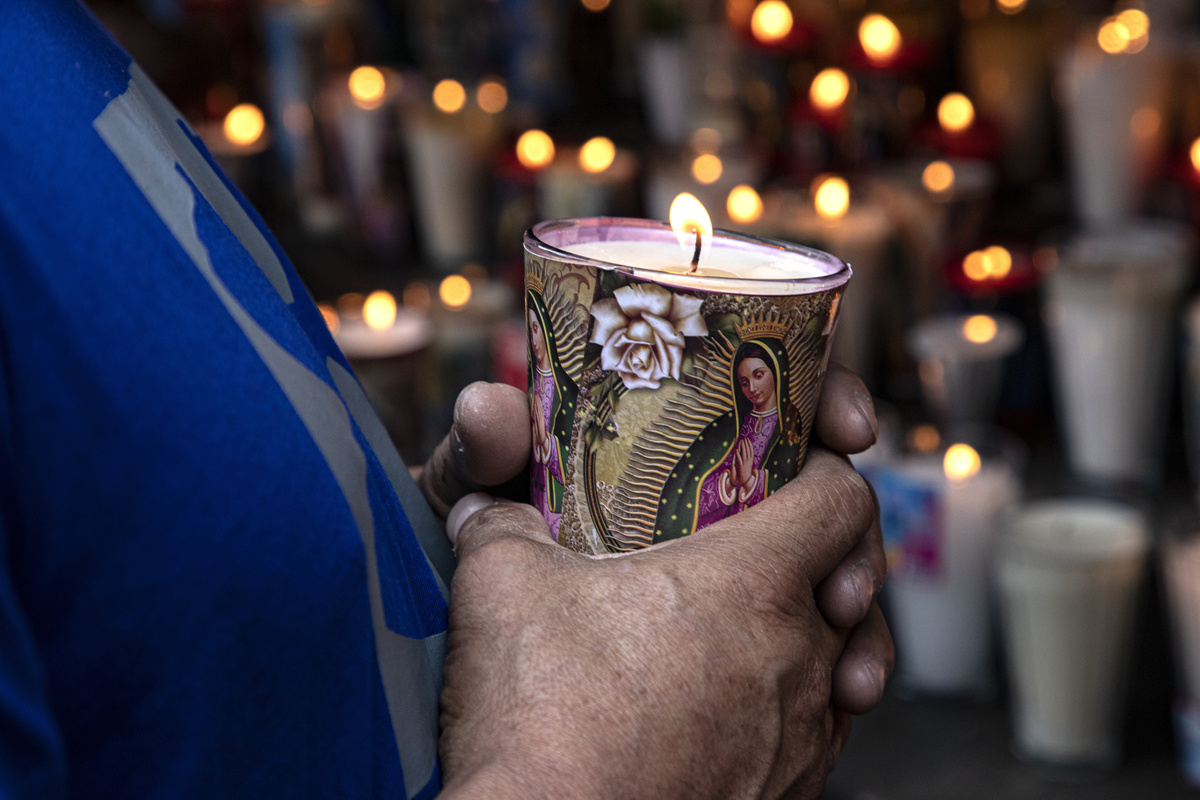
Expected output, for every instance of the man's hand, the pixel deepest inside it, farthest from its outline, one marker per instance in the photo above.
(709, 664)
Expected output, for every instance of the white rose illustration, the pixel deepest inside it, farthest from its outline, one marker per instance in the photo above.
(642, 329)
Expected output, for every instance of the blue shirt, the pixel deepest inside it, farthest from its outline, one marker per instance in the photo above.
(209, 585)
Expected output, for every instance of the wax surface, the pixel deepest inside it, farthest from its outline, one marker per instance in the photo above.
(716, 261)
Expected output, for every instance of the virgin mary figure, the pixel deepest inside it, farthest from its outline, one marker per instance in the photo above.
(552, 411)
(742, 456)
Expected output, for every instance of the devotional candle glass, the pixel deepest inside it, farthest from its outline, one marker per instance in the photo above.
(668, 392)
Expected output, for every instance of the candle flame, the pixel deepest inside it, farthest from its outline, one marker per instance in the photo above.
(831, 197)
(332, 320)
(492, 96)
(597, 154)
(689, 217)
(938, 177)
(955, 112)
(979, 329)
(1011, 6)
(991, 262)
(367, 86)
(455, 291)
(961, 462)
(707, 168)
(244, 124)
(449, 96)
(771, 21)
(1194, 153)
(829, 89)
(880, 38)
(743, 204)
(535, 149)
(379, 310)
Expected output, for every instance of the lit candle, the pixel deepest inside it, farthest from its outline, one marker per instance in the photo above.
(941, 514)
(590, 181)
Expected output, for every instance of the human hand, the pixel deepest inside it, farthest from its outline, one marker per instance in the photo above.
(698, 668)
(743, 462)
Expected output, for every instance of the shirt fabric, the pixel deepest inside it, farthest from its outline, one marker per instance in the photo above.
(209, 584)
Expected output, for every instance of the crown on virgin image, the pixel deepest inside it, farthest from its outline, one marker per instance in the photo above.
(535, 275)
(762, 327)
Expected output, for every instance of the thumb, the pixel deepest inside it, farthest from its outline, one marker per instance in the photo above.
(479, 519)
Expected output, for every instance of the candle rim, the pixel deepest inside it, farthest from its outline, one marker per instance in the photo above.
(840, 271)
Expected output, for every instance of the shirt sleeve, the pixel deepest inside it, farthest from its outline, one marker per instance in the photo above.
(32, 759)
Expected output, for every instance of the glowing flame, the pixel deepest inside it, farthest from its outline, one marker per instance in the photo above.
(332, 320)
(979, 329)
(597, 154)
(744, 204)
(455, 291)
(1194, 153)
(379, 310)
(492, 96)
(449, 96)
(961, 462)
(924, 439)
(535, 149)
(244, 124)
(771, 21)
(707, 168)
(832, 197)
(1011, 6)
(955, 112)
(880, 38)
(938, 177)
(1136, 23)
(829, 89)
(992, 262)
(367, 86)
(689, 217)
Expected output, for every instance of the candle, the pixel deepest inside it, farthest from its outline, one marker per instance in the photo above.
(940, 513)
(674, 372)
(594, 180)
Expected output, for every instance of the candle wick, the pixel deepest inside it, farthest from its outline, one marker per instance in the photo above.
(696, 255)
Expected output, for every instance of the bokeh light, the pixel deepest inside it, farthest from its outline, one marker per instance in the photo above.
(535, 149)
(771, 21)
(244, 124)
(597, 154)
(743, 204)
(707, 168)
(492, 96)
(961, 462)
(379, 310)
(367, 87)
(955, 112)
(449, 96)
(832, 197)
(979, 329)
(879, 37)
(829, 89)
(455, 291)
(938, 177)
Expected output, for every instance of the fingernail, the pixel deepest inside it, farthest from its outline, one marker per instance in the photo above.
(866, 407)
(463, 510)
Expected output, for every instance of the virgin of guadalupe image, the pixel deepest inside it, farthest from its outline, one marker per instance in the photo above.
(552, 405)
(742, 456)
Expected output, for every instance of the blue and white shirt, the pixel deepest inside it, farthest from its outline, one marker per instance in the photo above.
(216, 577)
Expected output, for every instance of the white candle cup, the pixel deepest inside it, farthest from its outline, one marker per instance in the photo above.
(664, 72)
(1110, 316)
(1113, 113)
(859, 238)
(1180, 562)
(665, 399)
(565, 189)
(940, 534)
(445, 163)
(962, 368)
(1069, 578)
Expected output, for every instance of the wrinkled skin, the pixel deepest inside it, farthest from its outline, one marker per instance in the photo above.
(725, 664)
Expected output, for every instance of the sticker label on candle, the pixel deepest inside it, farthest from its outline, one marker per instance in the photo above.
(911, 516)
(659, 410)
